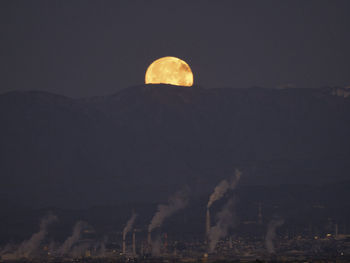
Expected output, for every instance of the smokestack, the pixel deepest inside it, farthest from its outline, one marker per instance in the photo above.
(28, 247)
(225, 216)
(134, 243)
(74, 238)
(260, 214)
(156, 246)
(225, 220)
(149, 242)
(149, 238)
(336, 231)
(230, 243)
(127, 228)
(124, 245)
(271, 234)
(207, 224)
(165, 242)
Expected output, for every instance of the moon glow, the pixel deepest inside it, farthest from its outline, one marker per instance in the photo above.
(169, 70)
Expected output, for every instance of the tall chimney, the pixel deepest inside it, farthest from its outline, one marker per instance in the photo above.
(124, 245)
(207, 224)
(260, 214)
(230, 242)
(141, 249)
(134, 243)
(149, 242)
(149, 238)
(336, 230)
(165, 242)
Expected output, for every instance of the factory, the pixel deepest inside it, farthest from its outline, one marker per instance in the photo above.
(221, 238)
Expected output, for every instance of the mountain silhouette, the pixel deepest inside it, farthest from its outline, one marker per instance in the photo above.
(145, 142)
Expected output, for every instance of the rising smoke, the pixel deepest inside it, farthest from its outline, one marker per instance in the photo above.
(28, 247)
(70, 241)
(80, 250)
(156, 246)
(178, 201)
(225, 220)
(271, 234)
(8, 248)
(127, 228)
(223, 187)
(102, 247)
(129, 224)
(73, 246)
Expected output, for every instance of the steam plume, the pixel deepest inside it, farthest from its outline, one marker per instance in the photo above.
(156, 244)
(225, 220)
(70, 241)
(102, 252)
(127, 228)
(129, 224)
(271, 233)
(28, 247)
(178, 201)
(223, 187)
(102, 245)
(8, 248)
(80, 250)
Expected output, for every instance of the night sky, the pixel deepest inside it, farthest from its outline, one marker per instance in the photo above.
(87, 48)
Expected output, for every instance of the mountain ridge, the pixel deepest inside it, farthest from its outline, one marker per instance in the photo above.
(155, 138)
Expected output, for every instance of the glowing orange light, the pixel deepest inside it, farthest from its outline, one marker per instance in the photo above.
(169, 70)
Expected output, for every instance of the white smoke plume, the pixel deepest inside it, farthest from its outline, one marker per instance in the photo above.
(80, 250)
(70, 241)
(129, 224)
(156, 247)
(52, 247)
(102, 250)
(271, 234)
(7, 249)
(102, 247)
(225, 220)
(223, 187)
(178, 201)
(28, 247)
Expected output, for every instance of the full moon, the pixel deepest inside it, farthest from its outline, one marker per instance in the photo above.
(169, 70)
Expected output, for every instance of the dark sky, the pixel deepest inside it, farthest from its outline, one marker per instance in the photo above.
(85, 48)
